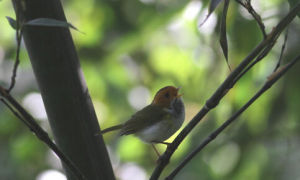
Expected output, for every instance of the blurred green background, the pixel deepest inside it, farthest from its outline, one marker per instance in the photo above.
(132, 48)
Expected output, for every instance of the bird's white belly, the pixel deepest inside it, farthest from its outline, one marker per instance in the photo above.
(160, 131)
(164, 129)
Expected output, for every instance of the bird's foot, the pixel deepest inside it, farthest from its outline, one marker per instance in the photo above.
(156, 151)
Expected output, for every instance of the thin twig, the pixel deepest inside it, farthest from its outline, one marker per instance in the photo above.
(31, 123)
(17, 61)
(258, 58)
(213, 101)
(247, 5)
(275, 76)
(19, 39)
(282, 50)
(261, 56)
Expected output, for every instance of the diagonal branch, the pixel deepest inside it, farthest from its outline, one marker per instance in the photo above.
(270, 82)
(263, 54)
(222, 90)
(31, 123)
(282, 50)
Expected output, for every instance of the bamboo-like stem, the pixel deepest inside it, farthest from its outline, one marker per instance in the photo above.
(269, 83)
(214, 100)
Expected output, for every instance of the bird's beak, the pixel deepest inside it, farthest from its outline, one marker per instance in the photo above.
(179, 95)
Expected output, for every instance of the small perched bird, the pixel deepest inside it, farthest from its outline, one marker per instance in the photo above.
(158, 121)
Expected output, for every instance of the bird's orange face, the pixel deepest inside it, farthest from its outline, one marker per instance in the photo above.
(165, 96)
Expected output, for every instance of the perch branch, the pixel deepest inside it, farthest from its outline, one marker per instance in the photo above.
(270, 82)
(222, 90)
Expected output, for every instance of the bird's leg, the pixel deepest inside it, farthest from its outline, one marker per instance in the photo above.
(156, 151)
(159, 156)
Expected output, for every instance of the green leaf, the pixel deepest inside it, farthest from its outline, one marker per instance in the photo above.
(12, 22)
(293, 3)
(48, 22)
(223, 37)
(212, 6)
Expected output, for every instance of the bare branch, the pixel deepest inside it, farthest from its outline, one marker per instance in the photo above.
(282, 50)
(31, 123)
(17, 61)
(247, 5)
(19, 39)
(222, 90)
(263, 54)
(271, 80)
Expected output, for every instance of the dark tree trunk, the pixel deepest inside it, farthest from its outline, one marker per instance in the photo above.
(63, 88)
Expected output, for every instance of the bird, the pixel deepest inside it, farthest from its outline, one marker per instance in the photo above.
(156, 122)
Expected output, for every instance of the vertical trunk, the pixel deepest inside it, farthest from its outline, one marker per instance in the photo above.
(65, 95)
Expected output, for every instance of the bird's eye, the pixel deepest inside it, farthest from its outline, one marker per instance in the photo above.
(167, 95)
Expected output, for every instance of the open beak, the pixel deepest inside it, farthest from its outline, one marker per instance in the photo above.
(179, 95)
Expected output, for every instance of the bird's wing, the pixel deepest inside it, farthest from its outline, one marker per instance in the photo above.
(144, 118)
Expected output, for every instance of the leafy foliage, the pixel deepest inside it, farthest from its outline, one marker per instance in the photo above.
(12, 22)
(47, 22)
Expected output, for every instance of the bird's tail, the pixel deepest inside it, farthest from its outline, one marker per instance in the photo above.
(113, 128)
